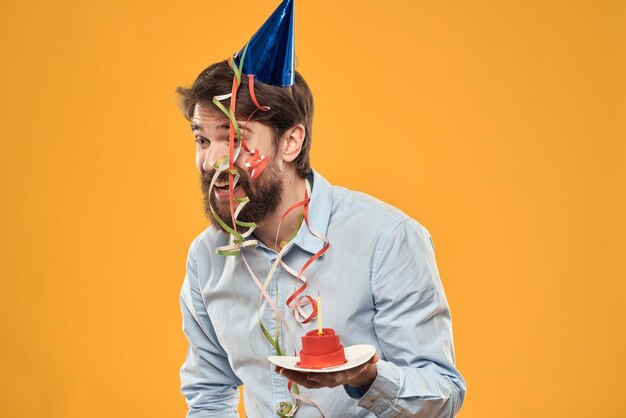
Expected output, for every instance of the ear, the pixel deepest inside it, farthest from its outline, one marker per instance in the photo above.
(292, 142)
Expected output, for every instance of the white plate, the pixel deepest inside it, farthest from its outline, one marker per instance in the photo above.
(355, 354)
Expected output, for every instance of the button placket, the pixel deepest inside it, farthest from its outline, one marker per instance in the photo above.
(279, 383)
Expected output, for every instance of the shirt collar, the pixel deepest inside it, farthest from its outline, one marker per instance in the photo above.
(320, 207)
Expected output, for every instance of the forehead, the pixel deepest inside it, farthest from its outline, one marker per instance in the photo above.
(207, 117)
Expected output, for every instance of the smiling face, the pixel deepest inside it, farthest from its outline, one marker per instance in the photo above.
(211, 132)
(289, 106)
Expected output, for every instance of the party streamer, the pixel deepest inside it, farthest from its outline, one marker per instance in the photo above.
(255, 165)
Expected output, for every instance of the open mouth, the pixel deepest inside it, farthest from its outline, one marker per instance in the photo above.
(220, 189)
(221, 184)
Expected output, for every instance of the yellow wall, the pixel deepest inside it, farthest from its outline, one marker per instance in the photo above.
(497, 124)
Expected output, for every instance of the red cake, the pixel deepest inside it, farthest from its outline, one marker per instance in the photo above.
(319, 351)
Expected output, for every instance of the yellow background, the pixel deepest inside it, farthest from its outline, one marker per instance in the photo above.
(499, 125)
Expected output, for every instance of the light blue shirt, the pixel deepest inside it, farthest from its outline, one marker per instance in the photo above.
(379, 285)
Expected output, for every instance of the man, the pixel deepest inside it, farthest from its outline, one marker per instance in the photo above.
(378, 280)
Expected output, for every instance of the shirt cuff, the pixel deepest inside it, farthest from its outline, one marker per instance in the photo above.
(383, 392)
(197, 413)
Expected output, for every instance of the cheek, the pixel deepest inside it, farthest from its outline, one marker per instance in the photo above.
(199, 160)
(263, 141)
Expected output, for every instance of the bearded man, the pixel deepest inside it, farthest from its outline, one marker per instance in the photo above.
(378, 279)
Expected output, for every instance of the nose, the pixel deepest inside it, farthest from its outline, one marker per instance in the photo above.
(207, 157)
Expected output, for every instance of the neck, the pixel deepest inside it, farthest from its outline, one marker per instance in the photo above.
(294, 188)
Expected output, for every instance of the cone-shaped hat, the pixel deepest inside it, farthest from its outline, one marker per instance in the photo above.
(270, 54)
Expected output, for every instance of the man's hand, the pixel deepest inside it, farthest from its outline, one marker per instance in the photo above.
(360, 377)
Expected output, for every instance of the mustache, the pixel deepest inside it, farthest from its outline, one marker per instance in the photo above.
(206, 177)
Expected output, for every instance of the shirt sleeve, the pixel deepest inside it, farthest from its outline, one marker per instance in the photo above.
(207, 380)
(417, 376)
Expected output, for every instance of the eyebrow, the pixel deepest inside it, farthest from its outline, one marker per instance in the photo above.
(196, 127)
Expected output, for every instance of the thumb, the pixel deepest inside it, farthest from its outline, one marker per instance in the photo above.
(374, 359)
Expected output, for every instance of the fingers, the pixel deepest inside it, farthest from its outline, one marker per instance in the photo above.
(313, 380)
(299, 378)
(329, 380)
(317, 380)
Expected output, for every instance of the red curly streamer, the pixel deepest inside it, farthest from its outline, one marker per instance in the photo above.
(307, 264)
(253, 96)
(256, 163)
(231, 152)
(313, 313)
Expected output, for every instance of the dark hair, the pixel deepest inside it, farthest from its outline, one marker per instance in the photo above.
(289, 106)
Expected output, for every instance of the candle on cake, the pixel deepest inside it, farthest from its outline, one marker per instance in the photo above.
(322, 347)
(319, 316)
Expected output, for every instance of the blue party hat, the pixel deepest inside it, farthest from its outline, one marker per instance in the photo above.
(270, 53)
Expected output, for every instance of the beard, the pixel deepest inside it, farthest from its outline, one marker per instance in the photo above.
(265, 193)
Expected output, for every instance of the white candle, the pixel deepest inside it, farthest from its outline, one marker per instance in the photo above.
(319, 316)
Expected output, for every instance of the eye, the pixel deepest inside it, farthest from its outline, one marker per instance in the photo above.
(202, 141)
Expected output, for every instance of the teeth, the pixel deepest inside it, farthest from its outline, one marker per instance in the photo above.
(222, 183)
